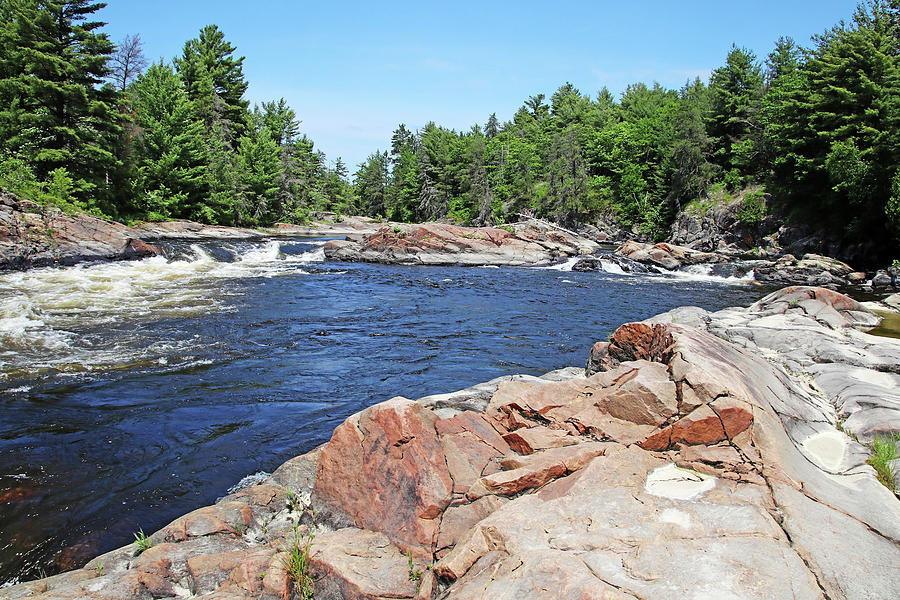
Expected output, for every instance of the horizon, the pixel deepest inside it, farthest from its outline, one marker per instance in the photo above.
(363, 70)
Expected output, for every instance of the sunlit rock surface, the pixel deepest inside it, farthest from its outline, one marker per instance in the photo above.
(702, 455)
(443, 244)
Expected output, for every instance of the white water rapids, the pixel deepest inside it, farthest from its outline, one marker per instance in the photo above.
(41, 310)
(691, 272)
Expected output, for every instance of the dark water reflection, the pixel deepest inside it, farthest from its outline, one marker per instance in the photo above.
(87, 457)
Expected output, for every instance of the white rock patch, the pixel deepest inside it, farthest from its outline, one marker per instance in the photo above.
(678, 517)
(827, 448)
(669, 481)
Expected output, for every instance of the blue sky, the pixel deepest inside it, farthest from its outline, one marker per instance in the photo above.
(354, 70)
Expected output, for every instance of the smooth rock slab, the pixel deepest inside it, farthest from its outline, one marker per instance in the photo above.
(360, 565)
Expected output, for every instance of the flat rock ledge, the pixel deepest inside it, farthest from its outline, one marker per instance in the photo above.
(444, 244)
(32, 235)
(699, 455)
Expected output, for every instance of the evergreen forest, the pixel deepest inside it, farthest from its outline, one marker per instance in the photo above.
(88, 124)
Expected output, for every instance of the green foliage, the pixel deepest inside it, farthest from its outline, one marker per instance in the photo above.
(142, 542)
(372, 184)
(170, 156)
(296, 563)
(833, 123)
(54, 111)
(736, 99)
(414, 574)
(892, 207)
(214, 80)
(753, 207)
(58, 189)
(884, 450)
(259, 168)
(165, 143)
(819, 127)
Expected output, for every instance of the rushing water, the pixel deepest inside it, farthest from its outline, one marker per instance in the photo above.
(134, 392)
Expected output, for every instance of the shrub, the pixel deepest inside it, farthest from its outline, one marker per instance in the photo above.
(753, 207)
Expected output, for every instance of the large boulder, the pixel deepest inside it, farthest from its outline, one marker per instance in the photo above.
(385, 470)
(666, 256)
(811, 270)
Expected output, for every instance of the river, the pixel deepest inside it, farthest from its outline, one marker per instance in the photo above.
(134, 392)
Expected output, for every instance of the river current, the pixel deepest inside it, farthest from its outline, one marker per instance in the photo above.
(134, 392)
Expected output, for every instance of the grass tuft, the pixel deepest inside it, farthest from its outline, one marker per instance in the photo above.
(414, 574)
(884, 450)
(296, 563)
(142, 542)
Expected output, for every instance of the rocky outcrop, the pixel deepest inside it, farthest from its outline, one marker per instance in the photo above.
(443, 244)
(887, 279)
(698, 455)
(721, 229)
(814, 332)
(667, 256)
(614, 262)
(607, 229)
(32, 235)
(811, 270)
(190, 230)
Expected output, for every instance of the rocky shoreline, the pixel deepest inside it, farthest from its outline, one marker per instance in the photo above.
(699, 454)
(36, 236)
(809, 270)
(443, 244)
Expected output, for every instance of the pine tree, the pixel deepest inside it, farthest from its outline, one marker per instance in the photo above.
(281, 122)
(260, 169)
(688, 160)
(492, 127)
(170, 154)
(214, 79)
(736, 97)
(371, 182)
(55, 113)
(854, 79)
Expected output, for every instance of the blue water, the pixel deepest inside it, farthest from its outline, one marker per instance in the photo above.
(133, 393)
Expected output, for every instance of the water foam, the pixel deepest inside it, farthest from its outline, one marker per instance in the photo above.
(44, 312)
(704, 273)
(563, 266)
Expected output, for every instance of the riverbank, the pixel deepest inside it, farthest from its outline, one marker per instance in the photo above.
(35, 236)
(728, 439)
(32, 235)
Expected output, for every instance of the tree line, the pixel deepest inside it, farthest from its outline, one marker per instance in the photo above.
(87, 123)
(817, 127)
